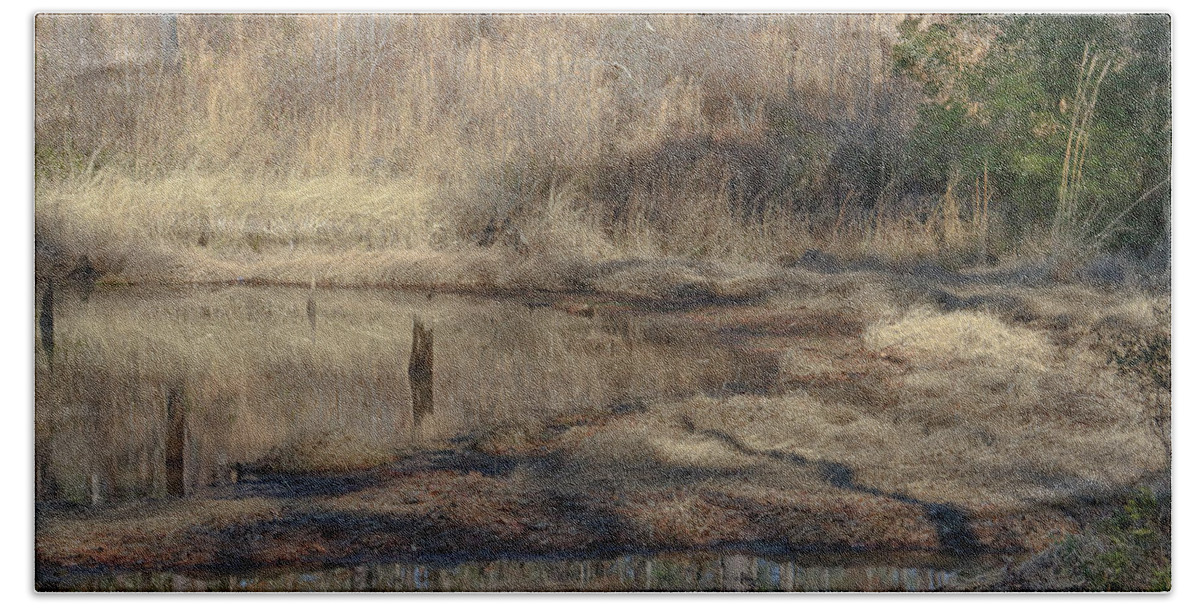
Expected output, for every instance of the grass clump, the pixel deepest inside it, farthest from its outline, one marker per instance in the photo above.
(968, 336)
(325, 451)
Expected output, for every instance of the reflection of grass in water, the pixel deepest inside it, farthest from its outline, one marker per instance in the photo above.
(983, 402)
(662, 572)
(257, 386)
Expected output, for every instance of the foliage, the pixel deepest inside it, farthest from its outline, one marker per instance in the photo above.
(1128, 551)
(1001, 92)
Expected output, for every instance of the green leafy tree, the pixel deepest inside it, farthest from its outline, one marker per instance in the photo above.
(1034, 98)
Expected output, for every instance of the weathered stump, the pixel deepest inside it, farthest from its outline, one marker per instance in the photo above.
(176, 441)
(46, 320)
(83, 277)
(311, 307)
(420, 372)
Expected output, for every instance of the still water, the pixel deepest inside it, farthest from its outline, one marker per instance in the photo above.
(152, 392)
(665, 572)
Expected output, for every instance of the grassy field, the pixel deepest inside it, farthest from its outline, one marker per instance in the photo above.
(248, 162)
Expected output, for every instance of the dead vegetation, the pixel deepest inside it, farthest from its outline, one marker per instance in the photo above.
(869, 422)
(637, 139)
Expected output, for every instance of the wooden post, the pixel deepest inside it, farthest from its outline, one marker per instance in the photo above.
(94, 487)
(311, 308)
(420, 372)
(176, 448)
(46, 320)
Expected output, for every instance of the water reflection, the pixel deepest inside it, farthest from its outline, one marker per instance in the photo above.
(162, 391)
(669, 572)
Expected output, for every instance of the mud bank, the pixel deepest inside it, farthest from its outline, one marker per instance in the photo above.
(462, 505)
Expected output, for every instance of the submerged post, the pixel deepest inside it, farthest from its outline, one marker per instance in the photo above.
(176, 447)
(311, 308)
(420, 372)
(46, 320)
(94, 488)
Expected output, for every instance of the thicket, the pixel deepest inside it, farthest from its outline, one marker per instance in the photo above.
(1128, 551)
(851, 132)
(1067, 116)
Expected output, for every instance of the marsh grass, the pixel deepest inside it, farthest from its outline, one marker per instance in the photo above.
(964, 407)
(657, 177)
(836, 414)
(279, 140)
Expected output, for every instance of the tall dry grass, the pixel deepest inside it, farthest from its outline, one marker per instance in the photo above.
(736, 136)
(440, 93)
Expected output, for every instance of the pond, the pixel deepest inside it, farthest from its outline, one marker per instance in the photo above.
(162, 391)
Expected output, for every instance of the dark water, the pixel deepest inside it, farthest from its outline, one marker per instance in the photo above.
(667, 572)
(250, 382)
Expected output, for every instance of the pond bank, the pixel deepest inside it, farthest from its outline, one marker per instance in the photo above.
(457, 506)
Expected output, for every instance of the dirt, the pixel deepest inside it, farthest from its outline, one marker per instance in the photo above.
(464, 503)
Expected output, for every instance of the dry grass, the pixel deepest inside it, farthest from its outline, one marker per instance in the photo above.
(1018, 402)
(280, 139)
(327, 93)
(190, 225)
(350, 230)
(959, 407)
(972, 338)
(625, 414)
(611, 156)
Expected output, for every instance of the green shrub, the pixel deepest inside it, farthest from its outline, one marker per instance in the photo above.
(1004, 92)
(1128, 551)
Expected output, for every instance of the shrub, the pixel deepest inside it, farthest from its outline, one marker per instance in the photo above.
(1128, 551)
(1145, 358)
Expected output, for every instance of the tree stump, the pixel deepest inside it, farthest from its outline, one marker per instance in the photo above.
(176, 443)
(46, 320)
(420, 372)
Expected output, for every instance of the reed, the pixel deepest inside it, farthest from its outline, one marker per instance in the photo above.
(174, 147)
